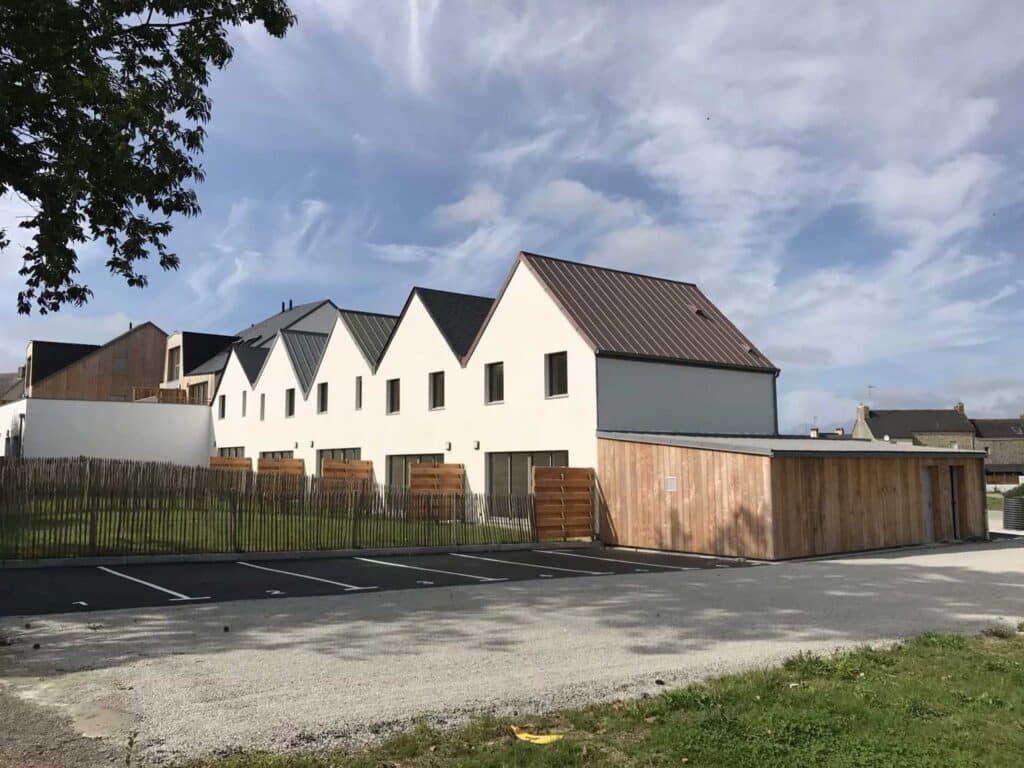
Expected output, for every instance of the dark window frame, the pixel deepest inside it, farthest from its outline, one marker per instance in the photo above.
(349, 454)
(554, 377)
(322, 397)
(244, 402)
(222, 406)
(435, 403)
(263, 406)
(494, 383)
(289, 402)
(393, 396)
(359, 393)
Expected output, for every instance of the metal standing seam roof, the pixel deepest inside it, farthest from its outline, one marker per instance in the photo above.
(784, 445)
(263, 332)
(305, 350)
(370, 331)
(907, 423)
(999, 428)
(632, 315)
(459, 316)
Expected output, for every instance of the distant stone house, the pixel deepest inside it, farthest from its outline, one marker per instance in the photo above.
(1002, 438)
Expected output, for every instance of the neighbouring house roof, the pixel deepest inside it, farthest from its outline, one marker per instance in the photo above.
(783, 445)
(213, 365)
(907, 423)
(197, 348)
(999, 428)
(459, 316)
(12, 387)
(1004, 468)
(305, 351)
(251, 358)
(370, 331)
(624, 314)
(263, 332)
(48, 357)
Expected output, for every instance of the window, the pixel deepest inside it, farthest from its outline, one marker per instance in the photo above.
(289, 402)
(263, 407)
(512, 473)
(174, 363)
(398, 466)
(394, 395)
(556, 374)
(121, 364)
(359, 392)
(321, 397)
(244, 393)
(198, 394)
(237, 452)
(436, 390)
(349, 454)
(494, 383)
(222, 406)
(277, 454)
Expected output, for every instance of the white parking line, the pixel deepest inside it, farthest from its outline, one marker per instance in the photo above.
(616, 560)
(176, 596)
(428, 570)
(343, 585)
(530, 565)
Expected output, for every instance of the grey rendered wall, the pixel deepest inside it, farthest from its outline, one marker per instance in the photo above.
(660, 397)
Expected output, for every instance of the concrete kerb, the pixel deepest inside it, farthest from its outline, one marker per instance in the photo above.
(221, 557)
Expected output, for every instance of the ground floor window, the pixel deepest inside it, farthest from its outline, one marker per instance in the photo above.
(236, 452)
(512, 472)
(336, 453)
(277, 454)
(398, 466)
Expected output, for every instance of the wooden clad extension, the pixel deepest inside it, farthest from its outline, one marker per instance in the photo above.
(281, 466)
(564, 502)
(231, 463)
(777, 507)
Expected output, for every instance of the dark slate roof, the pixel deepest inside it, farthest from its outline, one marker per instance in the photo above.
(1001, 468)
(213, 365)
(999, 428)
(458, 316)
(305, 351)
(265, 330)
(624, 314)
(48, 357)
(252, 359)
(370, 331)
(197, 348)
(12, 387)
(907, 423)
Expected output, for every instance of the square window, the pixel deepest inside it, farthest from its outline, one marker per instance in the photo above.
(321, 397)
(556, 374)
(289, 402)
(436, 390)
(494, 383)
(394, 395)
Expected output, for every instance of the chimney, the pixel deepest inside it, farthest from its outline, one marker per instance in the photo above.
(839, 431)
(282, 306)
(959, 408)
(862, 412)
(815, 432)
(289, 303)
(130, 325)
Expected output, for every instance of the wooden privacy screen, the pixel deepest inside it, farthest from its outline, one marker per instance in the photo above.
(437, 491)
(282, 466)
(231, 463)
(564, 500)
(347, 470)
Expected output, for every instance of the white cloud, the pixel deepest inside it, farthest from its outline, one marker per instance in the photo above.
(482, 203)
(567, 201)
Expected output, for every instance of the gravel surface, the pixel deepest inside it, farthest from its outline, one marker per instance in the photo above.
(315, 671)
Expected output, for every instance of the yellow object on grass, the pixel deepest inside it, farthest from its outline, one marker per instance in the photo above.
(536, 738)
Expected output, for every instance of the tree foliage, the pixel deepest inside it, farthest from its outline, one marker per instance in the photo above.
(102, 111)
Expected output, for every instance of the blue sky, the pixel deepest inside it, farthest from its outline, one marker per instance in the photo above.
(844, 179)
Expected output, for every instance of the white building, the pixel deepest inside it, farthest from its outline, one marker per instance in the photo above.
(498, 385)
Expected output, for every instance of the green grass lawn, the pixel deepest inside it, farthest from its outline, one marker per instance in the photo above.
(937, 700)
(995, 501)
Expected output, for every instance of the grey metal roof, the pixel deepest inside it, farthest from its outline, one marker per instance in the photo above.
(784, 445)
(213, 365)
(639, 316)
(459, 316)
(370, 331)
(305, 351)
(907, 423)
(999, 428)
(263, 332)
(252, 359)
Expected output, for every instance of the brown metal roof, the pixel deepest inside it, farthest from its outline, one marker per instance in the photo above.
(638, 316)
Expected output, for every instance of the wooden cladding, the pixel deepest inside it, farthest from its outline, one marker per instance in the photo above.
(347, 470)
(774, 508)
(231, 463)
(564, 502)
(437, 490)
(281, 466)
(173, 396)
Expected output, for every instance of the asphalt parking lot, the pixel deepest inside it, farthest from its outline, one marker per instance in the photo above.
(38, 591)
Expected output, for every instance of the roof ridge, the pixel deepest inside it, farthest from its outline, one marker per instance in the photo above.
(532, 255)
(342, 310)
(307, 333)
(453, 293)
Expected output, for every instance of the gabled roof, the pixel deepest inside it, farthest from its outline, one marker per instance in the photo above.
(907, 423)
(999, 428)
(263, 332)
(214, 365)
(12, 387)
(624, 314)
(251, 359)
(67, 354)
(370, 331)
(198, 348)
(305, 351)
(459, 316)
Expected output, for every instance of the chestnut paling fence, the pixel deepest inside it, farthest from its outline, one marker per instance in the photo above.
(81, 507)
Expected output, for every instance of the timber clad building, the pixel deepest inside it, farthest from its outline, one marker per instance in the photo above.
(642, 379)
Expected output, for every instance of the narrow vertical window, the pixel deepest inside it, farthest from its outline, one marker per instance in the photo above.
(359, 393)
(289, 402)
(263, 406)
(321, 397)
(494, 383)
(394, 395)
(243, 403)
(556, 374)
(436, 390)
(222, 406)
